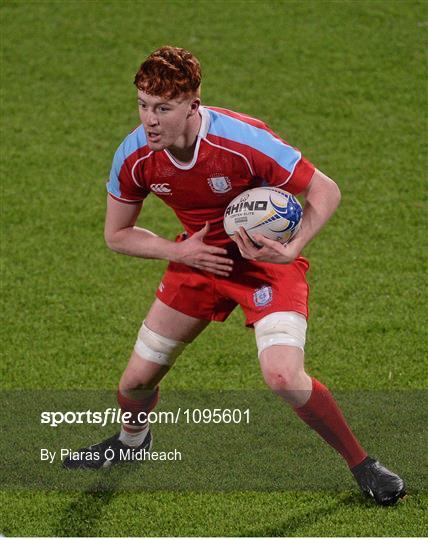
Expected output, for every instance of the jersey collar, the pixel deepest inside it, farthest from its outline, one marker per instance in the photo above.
(205, 123)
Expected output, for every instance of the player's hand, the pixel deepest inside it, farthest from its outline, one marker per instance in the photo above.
(194, 252)
(270, 250)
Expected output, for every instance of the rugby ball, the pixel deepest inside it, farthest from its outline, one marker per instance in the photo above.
(271, 212)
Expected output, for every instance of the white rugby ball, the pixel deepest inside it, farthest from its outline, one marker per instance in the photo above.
(271, 212)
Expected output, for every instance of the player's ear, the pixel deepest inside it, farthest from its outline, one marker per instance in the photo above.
(194, 106)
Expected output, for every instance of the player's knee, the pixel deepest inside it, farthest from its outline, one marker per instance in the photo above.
(282, 368)
(282, 376)
(156, 348)
(276, 381)
(281, 328)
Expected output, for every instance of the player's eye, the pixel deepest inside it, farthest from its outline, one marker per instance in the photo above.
(163, 108)
(142, 105)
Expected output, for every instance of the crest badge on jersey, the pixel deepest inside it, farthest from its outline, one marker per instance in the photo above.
(220, 184)
(263, 296)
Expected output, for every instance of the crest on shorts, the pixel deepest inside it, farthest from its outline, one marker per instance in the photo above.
(263, 296)
(220, 184)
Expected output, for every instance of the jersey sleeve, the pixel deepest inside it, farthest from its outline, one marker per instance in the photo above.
(124, 185)
(280, 164)
(270, 158)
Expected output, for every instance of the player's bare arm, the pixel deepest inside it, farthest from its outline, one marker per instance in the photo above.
(322, 197)
(122, 236)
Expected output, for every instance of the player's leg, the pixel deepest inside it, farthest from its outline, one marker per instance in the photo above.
(283, 370)
(280, 340)
(162, 337)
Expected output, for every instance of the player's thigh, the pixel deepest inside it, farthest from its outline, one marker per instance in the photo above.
(173, 324)
(168, 323)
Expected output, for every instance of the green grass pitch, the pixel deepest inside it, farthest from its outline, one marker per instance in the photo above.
(345, 81)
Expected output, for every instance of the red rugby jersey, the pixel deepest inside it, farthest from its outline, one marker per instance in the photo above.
(233, 152)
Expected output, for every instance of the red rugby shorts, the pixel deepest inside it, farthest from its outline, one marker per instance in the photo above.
(259, 288)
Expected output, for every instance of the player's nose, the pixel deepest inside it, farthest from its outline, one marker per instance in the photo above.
(152, 119)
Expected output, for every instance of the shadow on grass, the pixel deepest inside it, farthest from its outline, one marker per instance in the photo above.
(297, 524)
(80, 517)
(293, 525)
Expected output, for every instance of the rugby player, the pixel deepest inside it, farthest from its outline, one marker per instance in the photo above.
(197, 159)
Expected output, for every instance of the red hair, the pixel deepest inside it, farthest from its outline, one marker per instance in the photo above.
(169, 72)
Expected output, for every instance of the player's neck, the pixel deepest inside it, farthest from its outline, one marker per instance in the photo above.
(184, 148)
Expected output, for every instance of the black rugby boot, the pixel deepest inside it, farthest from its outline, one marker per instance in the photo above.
(376, 481)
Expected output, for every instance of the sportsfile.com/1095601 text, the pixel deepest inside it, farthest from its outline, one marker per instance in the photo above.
(115, 416)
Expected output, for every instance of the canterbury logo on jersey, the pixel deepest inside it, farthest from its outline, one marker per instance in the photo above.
(161, 188)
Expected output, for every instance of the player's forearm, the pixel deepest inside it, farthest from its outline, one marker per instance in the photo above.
(138, 242)
(321, 201)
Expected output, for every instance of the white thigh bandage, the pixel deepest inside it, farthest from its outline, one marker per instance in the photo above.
(281, 328)
(155, 348)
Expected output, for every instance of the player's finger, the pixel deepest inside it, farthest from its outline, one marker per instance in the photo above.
(235, 237)
(247, 249)
(244, 251)
(219, 273)
(202, 232)
(217, 269)
(219, 261)
(239, 242)
(248, 244)
(242, 235)
(245, 238)
(266, 241)
(214, 269)
(218, 251)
